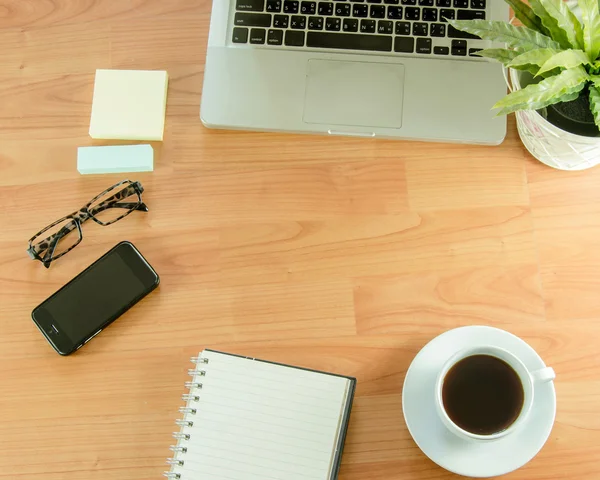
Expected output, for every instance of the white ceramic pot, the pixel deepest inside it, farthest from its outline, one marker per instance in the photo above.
(551, 145)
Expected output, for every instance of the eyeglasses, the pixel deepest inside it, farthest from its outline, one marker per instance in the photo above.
(65, 234)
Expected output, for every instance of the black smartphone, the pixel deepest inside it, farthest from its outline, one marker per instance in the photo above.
(95, 298)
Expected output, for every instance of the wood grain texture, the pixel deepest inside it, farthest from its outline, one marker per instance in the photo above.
(338, 254)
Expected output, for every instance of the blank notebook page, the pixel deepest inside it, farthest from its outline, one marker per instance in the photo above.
(254, 420)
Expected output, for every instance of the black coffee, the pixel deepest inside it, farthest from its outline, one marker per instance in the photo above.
(482, 394)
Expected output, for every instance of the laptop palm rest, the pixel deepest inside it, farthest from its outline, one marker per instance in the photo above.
(356, 94)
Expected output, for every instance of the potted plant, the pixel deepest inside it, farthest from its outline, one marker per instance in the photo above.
(554, 64)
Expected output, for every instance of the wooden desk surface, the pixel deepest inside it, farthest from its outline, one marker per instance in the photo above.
(337, 254)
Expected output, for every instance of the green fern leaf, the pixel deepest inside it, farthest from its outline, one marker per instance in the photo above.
(554, 31)
(591, 27)
(569, 97)
(566, 21)
(565, 59)
(505, 56)
(533, 69)
(526, 16)
(595, 104)
(502, 55)
(544, 93)
(499, 31)
(534, 57)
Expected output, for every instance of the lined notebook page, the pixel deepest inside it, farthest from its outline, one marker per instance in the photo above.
(259, 421)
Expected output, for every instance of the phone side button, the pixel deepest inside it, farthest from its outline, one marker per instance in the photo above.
(92, 337)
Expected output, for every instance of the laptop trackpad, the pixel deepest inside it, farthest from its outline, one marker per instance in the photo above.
(361, 94)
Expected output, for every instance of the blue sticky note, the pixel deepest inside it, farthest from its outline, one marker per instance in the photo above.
(115, 159)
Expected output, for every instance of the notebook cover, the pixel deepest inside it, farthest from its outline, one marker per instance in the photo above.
(337, 461)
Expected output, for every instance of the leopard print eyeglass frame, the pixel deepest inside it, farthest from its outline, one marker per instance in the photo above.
(58, 238)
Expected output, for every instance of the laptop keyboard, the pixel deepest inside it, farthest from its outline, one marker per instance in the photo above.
(401, 26)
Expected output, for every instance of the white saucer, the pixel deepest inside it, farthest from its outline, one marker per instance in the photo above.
(445, 448)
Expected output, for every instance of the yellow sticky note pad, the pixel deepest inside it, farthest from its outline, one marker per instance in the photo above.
(129, 105)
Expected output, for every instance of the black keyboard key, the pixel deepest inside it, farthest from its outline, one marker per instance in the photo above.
(281, 21)
(461, 3)
(473, 52)
(377, 11)
(430, 15)
(402, 28)
(409, 2)
(333, 24)
(275, 37)
(361, 11)
(437, 30)
(478, 4)
(308, 8)
(470, 15)
(291, 6)
(404, 44)
(350, 25)
(379, 43)
(374, 1)
(325, 8)
(274, 6)
(394, 13)
(343, 9)
(367, 26)
(420, 29)
(447, 14)
(250, 5)
(258, 36)
(298, 22)
(385, 26)
(454, 33)
(294, 38)
(459, 48)
(240, 35)
(252, 19)
(412, 13)
(426, 3)
(391, 2)
(423, 45)
(443, 3)
(441, 50)
(315, 23)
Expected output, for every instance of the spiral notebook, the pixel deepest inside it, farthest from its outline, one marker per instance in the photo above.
(249, 419)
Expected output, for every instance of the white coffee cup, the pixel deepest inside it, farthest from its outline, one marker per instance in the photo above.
(528, 380)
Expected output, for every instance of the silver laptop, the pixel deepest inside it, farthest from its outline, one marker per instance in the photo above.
(372, 68)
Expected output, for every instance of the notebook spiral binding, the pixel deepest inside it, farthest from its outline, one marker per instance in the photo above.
(188, 411)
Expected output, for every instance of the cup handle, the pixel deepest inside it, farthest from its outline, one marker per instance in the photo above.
(543, 375)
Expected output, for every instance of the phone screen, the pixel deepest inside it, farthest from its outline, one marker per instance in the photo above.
(95, 297)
